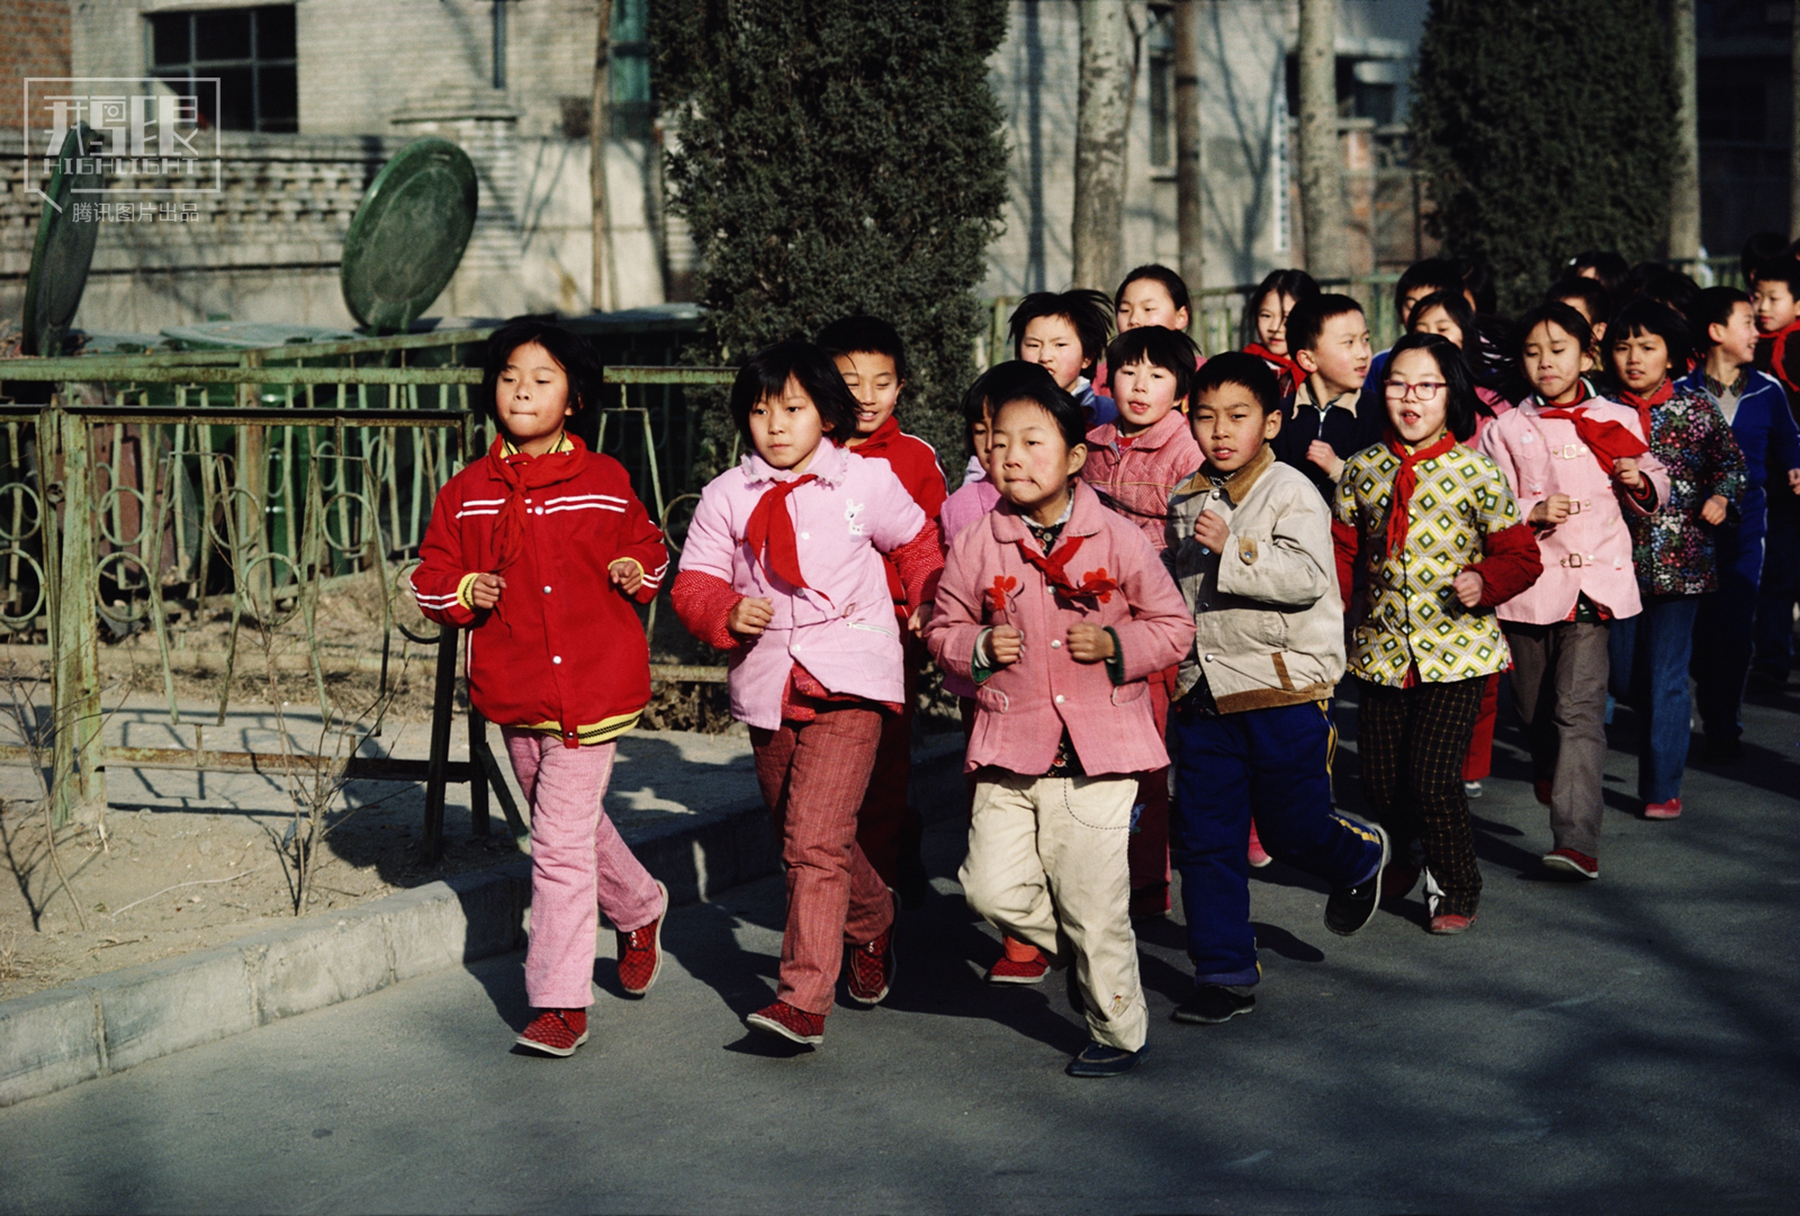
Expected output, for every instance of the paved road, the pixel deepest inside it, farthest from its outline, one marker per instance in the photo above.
(1625, 1046)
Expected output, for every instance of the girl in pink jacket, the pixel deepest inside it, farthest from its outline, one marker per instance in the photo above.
(1576, 464)
(1058, 610)
(782, 569)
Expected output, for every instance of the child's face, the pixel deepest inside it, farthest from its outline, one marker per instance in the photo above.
(1737, 337)
(981, 437)
(1053, 343)
(1552, 360)
(1030, 463)
(1145, 393)
(786, 430)
(1439, 321)
(1271, 321)
(1341, 356)
(1230, 426)
(1148, 302)
(1641, 361)
(531, 398)
(1774, 301)
(1417, 400)
(1412, 298)
(873, 381)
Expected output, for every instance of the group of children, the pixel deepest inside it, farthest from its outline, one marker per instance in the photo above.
(1145, 593)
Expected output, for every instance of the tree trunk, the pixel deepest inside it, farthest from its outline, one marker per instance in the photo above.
(1190, 199)
(1684, 184)
(1321, 174)
(1102, 114)
(599, 127)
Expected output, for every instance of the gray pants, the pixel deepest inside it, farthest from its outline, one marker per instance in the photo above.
(1559, 690)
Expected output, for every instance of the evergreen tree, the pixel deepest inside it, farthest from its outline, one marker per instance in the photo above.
(1545, 128)
(836, 157)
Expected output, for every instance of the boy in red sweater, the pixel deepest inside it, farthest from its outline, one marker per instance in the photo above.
(870, 357)
(538, 549)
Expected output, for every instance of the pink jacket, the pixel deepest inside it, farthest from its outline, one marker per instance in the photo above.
(843, 632)
(974, 499)
(1024, 708)
(1139, 479)
(1591, 551)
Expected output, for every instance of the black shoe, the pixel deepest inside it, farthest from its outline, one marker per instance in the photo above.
(1350, 908)
(1099, 1060)
(1212, 1004)
(1722, 751)
(912, 882)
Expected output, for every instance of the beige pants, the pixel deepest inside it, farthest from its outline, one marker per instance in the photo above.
(1048, 854)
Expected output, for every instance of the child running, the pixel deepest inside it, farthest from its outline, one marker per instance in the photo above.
(1065, 332)
(1250, 545)
(1576, 464)
(1441, 542)
(783, 569)
(1329, 418)
(539, 550)
(1057, 609)
(1134, 464)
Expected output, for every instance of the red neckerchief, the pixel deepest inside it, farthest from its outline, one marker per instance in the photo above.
(1268, 356)
(1643, 404)
(1607, 440)
(1778, 355)
(522, 474)
(770, 534)
(1405, 482)
(1096, 583)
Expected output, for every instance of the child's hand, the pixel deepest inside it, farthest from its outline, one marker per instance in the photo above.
(921, 617)
(1468, 586)
(1794, 480)
(749, 617)
(1004, 645)
(485, 590)
(1089, 643)
(1553, 510)
(1713, 509)
(1321, 454)
(1212, 531)
(1625, 472)
(626, 575)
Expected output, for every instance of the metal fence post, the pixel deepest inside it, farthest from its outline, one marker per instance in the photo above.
(431, 841)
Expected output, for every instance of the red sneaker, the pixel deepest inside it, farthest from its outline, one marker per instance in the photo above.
(1569, 861)
(1012, 971)
(1663, 810)
(1449, 923)
(790, 1023)
(556, 1032)
(1258, 856)
(640, 952)
(1542, 790)
(872, 969)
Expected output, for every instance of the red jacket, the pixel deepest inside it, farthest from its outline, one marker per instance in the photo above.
(915, 463)
(563, 650)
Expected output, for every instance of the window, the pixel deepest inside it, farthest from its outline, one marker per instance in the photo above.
(1162, 93)
(633, 109)
(249, 50)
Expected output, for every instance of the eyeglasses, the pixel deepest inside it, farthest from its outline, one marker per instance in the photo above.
(1425, 390)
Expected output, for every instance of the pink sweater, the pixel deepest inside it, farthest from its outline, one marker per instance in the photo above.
(1024, 708)
(974, 499)
(1139, 478)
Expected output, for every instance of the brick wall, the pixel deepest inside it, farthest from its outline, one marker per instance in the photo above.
(34, 41)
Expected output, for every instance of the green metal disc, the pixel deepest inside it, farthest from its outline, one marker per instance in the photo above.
(409, 234)
(62, 255)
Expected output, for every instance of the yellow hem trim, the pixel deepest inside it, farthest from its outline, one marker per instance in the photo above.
(600, 732)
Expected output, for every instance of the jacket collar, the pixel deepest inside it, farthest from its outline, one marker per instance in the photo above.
(1086, 517)
(1158, 434)
(886, 433)
(1237, 486)
(829, 464)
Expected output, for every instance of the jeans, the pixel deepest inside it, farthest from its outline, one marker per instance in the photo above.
(1649, 656)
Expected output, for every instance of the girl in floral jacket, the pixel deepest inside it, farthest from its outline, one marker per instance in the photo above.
(1673, 550)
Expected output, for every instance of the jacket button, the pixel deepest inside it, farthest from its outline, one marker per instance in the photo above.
(557, 658)
(1209, 659)
(1059, 698)
(546, 591)
(1055, 643)
(806, 536)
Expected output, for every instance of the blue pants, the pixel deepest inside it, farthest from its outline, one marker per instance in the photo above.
(1649, 655)
(1273, 763)
(1722, 635)
(1780, 583)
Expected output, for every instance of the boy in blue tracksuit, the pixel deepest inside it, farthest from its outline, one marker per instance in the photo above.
(1756, 406)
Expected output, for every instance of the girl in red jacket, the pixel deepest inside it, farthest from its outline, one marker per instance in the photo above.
(539, 549)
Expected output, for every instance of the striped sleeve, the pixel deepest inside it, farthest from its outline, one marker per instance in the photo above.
(438, 583)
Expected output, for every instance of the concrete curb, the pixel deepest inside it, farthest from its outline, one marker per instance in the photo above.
(63, 1036)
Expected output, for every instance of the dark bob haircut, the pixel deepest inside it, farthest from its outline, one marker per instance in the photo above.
(1439, 274)
(1297, 285)
(1172, 283)
(1554, 312)
(766, 373)
(1454, 303)
(1307, 322)
(571, 352)
(1245, 370)
(870, 335)
(1460, 404)
(1596, 300)
(1063, 409)
(1644, 317)
(1168, 349)
(1090, 312)
(999, 383)
(1712, 307)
